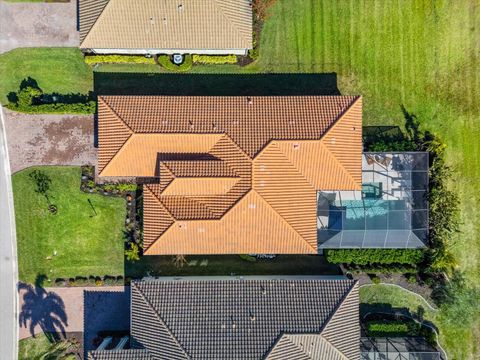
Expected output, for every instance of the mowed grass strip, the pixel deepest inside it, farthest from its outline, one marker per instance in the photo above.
(86, 243)
(60, 70)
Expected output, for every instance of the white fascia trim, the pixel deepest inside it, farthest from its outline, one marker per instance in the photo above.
(169, 51)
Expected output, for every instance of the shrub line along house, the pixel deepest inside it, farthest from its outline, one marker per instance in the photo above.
(150, 27)
(261, 174)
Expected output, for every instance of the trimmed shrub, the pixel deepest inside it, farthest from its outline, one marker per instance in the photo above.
(124, 187)
(215, 59)
(248, 258)
(389, 328)
(165, 61)
(374, 256)
(118, 59)
(32, 100)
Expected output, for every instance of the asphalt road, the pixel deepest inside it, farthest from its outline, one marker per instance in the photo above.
(8, 256)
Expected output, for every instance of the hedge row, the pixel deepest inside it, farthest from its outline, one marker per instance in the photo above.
(374, 256)
(166, 62)
(390, 329)
(106, 280)
(215, 59)
(118, 59)
(57, 108)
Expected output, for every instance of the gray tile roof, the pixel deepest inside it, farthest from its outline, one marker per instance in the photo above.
(129, 354)
(251, 318)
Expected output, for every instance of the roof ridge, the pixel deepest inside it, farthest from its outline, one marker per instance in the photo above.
(342, 113)
(337, 308)
(95, 21)
(285, 220)
(159, 318)
(273, 143)
(334, 124)
(220, 5)
(333, 347)
(339, 164)
(105, 102)
(332, 314)
(102, 100)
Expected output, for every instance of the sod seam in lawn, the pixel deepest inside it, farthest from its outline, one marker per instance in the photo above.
(86, 244)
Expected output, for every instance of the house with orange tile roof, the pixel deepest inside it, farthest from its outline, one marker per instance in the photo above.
(140, 27)
(234, 175)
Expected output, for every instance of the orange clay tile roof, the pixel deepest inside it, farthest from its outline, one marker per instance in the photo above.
(232, 175)
(165, 24)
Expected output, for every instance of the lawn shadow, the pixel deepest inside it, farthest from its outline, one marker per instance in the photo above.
(110, 83)
(104, 312)
(43, 309)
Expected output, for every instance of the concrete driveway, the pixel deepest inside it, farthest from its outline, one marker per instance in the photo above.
(49, 140)
(25, 24)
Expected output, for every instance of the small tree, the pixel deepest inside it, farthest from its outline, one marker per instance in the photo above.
(43, 182)
(61, 350)
(179, 261)
(26, 96)
(133, 253)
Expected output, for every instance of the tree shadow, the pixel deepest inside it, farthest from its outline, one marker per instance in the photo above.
(188, 84)
(44, 309)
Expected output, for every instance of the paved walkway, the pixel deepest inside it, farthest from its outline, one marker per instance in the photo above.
(58, 309)
(8, 257)
(25, 24)
(49, 140)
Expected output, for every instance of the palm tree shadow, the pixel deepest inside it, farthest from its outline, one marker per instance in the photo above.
(44, 309)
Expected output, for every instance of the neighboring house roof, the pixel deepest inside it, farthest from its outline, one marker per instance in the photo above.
(250, 318)
(237, 174)
(165, 24)
(130, 354)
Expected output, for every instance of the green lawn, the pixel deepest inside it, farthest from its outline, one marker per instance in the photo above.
(59, 70)
(86, 244)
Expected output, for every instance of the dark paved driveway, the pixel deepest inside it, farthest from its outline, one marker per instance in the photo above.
(49, 140)
(27, 24)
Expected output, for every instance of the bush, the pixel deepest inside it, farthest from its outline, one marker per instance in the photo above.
(133, 253)
(215, 59)
(165, 61)
(248, 258)
(27, 96)
(109, 280)
(377, 328)
(374, 256)
(124, 187)
(31, 99)
(118, 59)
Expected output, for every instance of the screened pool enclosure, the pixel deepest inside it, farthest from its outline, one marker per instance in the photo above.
(391, 210)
